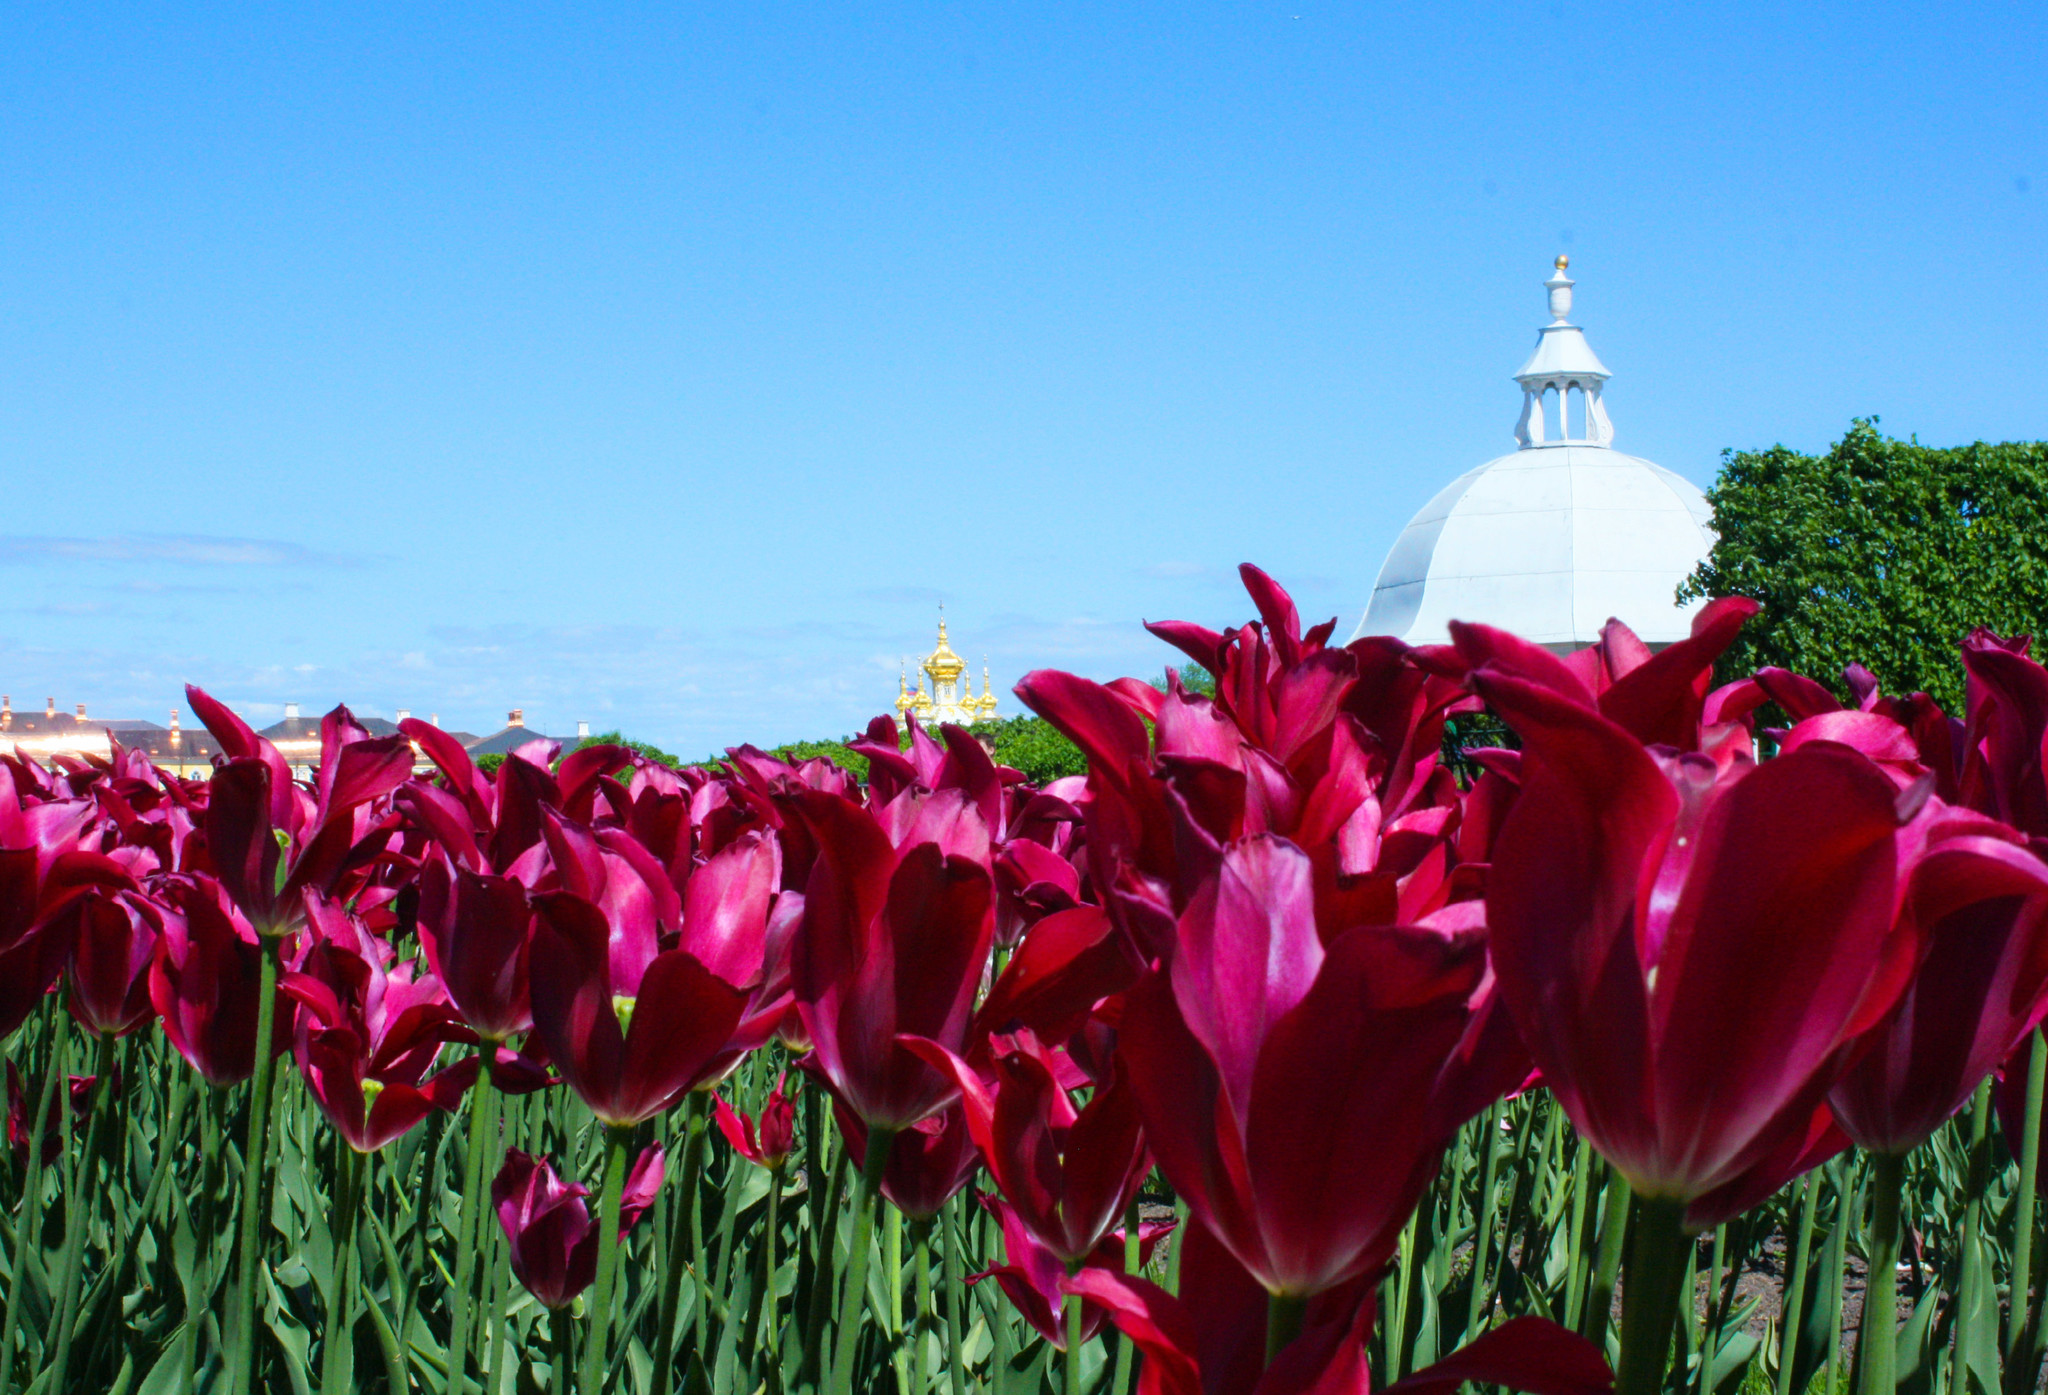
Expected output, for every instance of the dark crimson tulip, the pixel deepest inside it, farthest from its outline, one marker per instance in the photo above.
(204, 983)
(775, 1137)
(1212, 1339)
(1687, 940)
(257, 818)
(367, 1036)
(631, 1029)
(548, 1222)
(21, 1123)
(475, 928)
(1298, 1082)
(1034, 1279)
(1067, 1173)
(1981, 988)
(1066, 965)
(928, 1164)
(114, 939)
(2008, 693)
(898, 921)
(1334, 749)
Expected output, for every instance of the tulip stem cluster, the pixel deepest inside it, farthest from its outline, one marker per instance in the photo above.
(255, 1160)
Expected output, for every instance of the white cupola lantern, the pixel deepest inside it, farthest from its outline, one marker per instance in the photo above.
(1551, 541)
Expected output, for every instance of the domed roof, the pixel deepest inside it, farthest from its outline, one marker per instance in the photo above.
(1557, 538)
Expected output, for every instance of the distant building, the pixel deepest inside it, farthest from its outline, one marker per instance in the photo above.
(941, 695)
(1552, 539)
(193, 752)
(516, 733)
(39, 736)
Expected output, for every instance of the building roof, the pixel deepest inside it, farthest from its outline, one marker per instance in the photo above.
(1551, 541)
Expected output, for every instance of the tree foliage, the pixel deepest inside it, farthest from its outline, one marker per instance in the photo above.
(1881, 552)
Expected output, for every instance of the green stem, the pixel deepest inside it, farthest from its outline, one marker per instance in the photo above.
(1848, 1196)
(1657, 1265)
(892, 1271)
(1877, 1342)
(956, 1357)
(483, 1120)
(1795, 1298)
(1709, 1320)
(1397, 1329)
(348, 1205)
(2020, 1376)
(1577, 1258)
(824, 1237)
(242, 1368)
(881, 1142)
(597, 1343)
(684, 1207)
(925, 1314)
(1607, 1265)
(560, 1335)
(32, 1188)
(761, 1309)
(1071, 1367)
(1972, 1298)
(1133, 1261)
(1482, 1219)
(1283, 1322)
(78, 1209)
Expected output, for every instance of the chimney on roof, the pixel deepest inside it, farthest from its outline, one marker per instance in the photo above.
(6, 712)
(81, 711)
(176, 738)
(49, 707)
(291, 712)
(405, 714)
(516, 717)
(583, 731)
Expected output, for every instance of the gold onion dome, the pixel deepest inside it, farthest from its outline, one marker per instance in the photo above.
(945, 694)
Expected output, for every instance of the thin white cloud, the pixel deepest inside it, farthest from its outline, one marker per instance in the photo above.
(185, 549)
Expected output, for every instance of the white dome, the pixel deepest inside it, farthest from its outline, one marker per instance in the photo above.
(1552, 541)
(1549, 543)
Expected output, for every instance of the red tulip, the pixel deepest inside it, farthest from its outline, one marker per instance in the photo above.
(1687, 941)
(1034, 1279)
(114, 939)
(929, 1162)
(1067, 1173)
(630, 1029)
(2008, 721)
(898, 919)
(776, 1136)
(1980, 990)
(204, 983)
(1212, 1339)
(475, 929)
(366, 1039)
(1299, 1082)
(257, 819)
(553, 1236)
(21, 1121)
(43, 870)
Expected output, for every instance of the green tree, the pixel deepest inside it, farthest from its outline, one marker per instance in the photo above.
(1881, 552)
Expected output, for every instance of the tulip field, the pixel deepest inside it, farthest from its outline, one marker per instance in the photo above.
(1687, 1041)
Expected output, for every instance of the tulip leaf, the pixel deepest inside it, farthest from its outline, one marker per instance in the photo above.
(172, 1372)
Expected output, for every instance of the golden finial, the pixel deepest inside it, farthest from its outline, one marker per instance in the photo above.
(1563, 261)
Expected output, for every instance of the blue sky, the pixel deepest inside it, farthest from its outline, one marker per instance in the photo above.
(664, 367)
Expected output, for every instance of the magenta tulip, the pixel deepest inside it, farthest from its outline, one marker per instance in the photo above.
(1299, 1083)
(548, 1223)
(1687, 941)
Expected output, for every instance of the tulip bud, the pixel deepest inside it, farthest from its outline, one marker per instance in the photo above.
(778, 1127)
